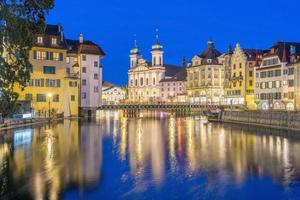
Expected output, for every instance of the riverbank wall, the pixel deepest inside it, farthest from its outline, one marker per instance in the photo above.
(269, 119)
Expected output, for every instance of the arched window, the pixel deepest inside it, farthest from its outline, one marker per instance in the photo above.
(153, 81)
(136, 82)
(147, 81)
(160, 61)
(141, 81)
(154, 61)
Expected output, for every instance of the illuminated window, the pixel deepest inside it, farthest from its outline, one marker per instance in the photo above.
(54, 41)
(40, 39)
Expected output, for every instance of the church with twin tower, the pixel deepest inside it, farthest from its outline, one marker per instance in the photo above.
(144, 77)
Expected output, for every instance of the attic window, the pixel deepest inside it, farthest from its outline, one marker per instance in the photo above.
(40, 39)
(54, 41)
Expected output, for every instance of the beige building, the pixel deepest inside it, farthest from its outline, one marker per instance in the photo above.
(275, 78)
(205, 79)
(112, 94)
(144, 77)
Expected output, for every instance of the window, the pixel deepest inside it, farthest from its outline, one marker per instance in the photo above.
(291, 83)
(240, 65)
(83, 57)
(291, 71)
(241, 83)
(68, 70)
(73, 98)
(257, 75)
(96, 77)
(95, 64)
(96, 90)
(56, 98)
(54, 41)
(83, 95)
(154, 81)
(278, 84)
(41, 55)
(55, 56)
(40, 39)
(83, 82)
(41, 98)
(234, 66)
(68, 59)
(141, 81)
(49, 70)
(272, 61)
(251, 83)
(250, 73)
(277, 72)
(83, 69)
(28, 97)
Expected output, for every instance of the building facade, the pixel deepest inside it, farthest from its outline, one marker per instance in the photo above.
(51, 89)
(84, 58)
(173, 89)
(144, 77)
(240, 91)
(112, 94)
(275, 78)
(205, 77)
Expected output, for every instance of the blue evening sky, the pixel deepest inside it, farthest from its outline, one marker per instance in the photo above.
(184, 26)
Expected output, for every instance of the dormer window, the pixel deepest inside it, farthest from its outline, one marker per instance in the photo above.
(54, 41)
(209, 61)
(40, 39)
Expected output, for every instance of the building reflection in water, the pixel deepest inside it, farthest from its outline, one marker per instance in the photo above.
(43, 162)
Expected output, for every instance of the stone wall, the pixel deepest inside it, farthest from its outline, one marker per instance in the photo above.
(286, 120)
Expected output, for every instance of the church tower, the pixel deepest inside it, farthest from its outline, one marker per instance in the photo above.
(157, 52)
(134, 55)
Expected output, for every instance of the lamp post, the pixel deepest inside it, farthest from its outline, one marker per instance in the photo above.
(49, 101)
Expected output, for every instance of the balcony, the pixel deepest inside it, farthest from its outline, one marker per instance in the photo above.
(72, 75)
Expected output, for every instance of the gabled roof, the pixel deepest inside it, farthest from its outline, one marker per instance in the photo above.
(52, 31)
(87, 47)
(252, 53)
(281, 48)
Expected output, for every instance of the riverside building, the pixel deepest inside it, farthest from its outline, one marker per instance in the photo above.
(144, 77)
(240, 91)
(66, 77)
(51, 89)
(205, 77)
(275, 78)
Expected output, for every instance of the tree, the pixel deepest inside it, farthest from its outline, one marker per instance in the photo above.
(20, 21)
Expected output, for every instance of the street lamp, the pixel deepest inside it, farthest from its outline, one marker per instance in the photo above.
(49, 99)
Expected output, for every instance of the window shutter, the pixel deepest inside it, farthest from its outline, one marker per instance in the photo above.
(34, 54)
(61, 57)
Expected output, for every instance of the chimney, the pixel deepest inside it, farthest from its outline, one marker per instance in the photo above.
(81, 38)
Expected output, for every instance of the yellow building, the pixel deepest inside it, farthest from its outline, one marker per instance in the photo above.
(52, 87)
(241, 80)
(205, 80)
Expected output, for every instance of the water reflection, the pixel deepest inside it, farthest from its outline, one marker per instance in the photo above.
(43, 162)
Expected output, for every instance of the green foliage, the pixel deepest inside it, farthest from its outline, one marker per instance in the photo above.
(20, 21)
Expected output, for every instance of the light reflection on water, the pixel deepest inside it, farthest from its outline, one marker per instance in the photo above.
(156, 156)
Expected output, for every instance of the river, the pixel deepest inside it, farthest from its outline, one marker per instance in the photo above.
(156, 156)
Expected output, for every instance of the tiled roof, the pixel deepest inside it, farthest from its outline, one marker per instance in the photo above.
(87, 47)
(210, 54)
(52, 31)
(278, 49)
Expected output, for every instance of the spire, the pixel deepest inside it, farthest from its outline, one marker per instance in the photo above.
(184, 63)
(284, 56)
(135, 49)
(210, 43)
(157, 45)
(229, 50)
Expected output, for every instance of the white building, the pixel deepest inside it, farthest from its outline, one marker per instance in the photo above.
(144, 77)
(85, 57)
(275, 78)
(172, 89)
(112, 94)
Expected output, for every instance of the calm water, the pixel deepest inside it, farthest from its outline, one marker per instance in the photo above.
(147, 158)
